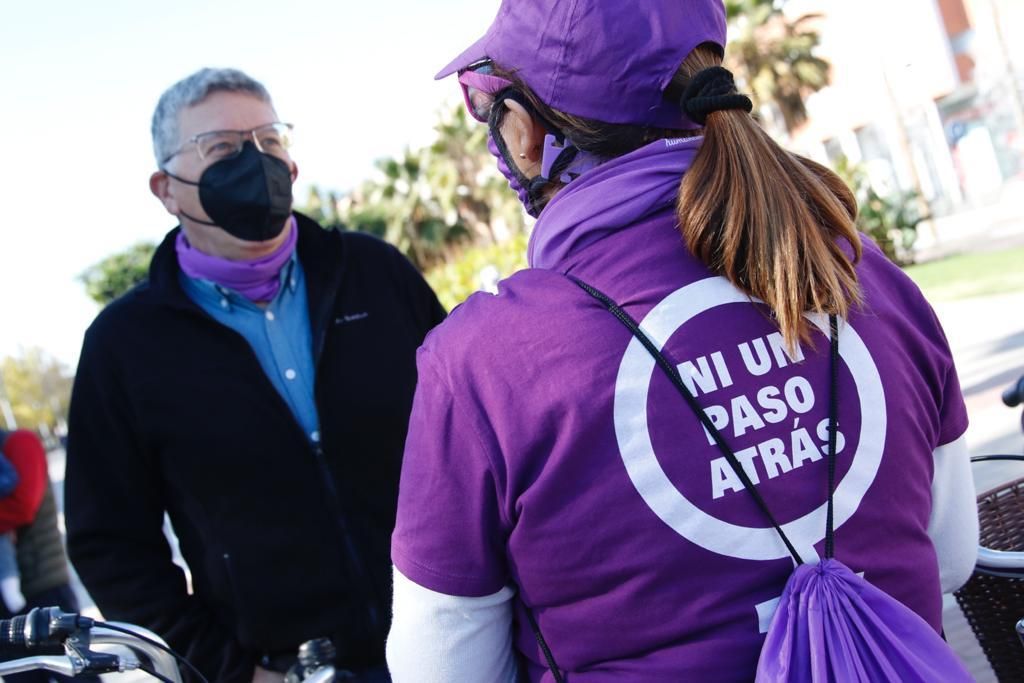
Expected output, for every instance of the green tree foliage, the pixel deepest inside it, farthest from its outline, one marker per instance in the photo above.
(468, 182)
(477, 268)
(404, 206)
(38, 388)
(432, 202)
(774, 56)
(890, 220)
(116, 274)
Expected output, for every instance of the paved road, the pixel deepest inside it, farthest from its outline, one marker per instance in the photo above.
(987, 338)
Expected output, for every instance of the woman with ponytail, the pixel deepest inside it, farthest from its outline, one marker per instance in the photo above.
(596, 497)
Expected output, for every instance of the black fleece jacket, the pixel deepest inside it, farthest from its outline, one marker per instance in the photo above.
(285, 541)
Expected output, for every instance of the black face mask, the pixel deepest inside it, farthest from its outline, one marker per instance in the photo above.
(249, 195)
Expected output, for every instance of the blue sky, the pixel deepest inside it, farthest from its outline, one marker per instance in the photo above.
(79, 83)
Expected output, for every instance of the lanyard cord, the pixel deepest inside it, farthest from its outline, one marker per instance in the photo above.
(550, 658)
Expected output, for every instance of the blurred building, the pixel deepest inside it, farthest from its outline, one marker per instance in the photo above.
(926, 94)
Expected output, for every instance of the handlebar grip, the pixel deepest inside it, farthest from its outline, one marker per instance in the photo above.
(12, 631)
(1014, 396)
(25, 630)
(41, 626)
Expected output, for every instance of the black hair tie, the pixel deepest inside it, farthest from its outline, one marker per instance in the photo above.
(712, 89)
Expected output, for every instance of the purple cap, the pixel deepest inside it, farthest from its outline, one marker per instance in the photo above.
(608, 60)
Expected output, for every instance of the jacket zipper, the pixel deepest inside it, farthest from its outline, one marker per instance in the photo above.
(355, 559)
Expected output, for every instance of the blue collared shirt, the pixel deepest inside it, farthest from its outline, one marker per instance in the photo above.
(280, 335)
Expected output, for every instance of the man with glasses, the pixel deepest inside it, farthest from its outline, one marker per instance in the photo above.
(256, 390)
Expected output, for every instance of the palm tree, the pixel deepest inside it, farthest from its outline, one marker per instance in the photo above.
(405, 206)
(434, 201)
(775, 57)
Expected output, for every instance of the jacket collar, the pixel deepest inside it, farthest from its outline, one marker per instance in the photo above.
(320, 252)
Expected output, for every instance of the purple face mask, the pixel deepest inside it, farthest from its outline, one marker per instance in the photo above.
(560, 159)
(532, 201)
(511, 176)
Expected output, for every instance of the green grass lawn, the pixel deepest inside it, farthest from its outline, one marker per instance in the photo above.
(968, 275)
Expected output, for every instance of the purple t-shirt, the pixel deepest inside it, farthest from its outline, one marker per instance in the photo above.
(547, 451)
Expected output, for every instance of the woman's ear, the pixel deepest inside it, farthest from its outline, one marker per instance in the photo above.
(524, 137)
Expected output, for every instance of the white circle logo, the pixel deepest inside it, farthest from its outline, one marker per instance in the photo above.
(668, 503)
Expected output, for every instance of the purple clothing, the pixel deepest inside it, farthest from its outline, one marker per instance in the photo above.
(256, 280)
(609, 61)
(514, 183)
(547, 451)
(832, 625)
(621, 192)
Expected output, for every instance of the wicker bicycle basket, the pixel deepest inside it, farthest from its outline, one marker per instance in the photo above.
(994, 604)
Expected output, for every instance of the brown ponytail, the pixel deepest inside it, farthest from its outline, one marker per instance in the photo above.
(766, 219)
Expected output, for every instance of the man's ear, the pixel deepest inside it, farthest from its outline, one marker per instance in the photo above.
(294, 169)
(524, 135)
(160, 186)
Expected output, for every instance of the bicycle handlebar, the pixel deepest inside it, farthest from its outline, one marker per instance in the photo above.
(51, 626)
(63, 665)
(163, 663)
(41, 626)
(69, 665)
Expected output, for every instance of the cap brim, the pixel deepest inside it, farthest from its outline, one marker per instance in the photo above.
(474, 53)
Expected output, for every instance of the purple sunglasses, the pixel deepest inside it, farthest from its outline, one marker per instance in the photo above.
(479, 88)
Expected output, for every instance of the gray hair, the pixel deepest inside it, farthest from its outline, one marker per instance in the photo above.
(189, 92)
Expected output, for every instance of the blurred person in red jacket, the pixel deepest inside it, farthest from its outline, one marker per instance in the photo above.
(29, 512)
(25, 452)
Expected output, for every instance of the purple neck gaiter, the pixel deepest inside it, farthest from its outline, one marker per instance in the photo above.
(256, 280)
(582, 163)
(609, 198)
(513, 180)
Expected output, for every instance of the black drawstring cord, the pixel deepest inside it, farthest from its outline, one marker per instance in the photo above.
(552, 664)
(833, 429)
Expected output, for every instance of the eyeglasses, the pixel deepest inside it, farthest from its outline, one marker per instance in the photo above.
(272, 138)
(480, 88)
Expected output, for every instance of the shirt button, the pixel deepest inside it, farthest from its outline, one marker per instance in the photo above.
(315, 436)
(224, 303)
(289, 374)
(270, 315)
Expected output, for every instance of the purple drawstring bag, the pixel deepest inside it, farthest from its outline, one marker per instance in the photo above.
(832, 625)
